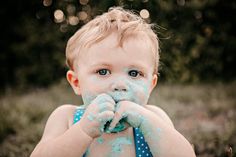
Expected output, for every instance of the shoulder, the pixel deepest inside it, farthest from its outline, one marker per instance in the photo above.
(66, 113)
(161, 113)
(64, 110)
(59, 121)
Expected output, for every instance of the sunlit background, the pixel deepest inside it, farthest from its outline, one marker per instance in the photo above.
(197, 68)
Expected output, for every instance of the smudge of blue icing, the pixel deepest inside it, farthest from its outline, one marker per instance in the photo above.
(146, 128)
(90, 117)
(100, 99)
(158, 134)
(158, 130)
(134, 119)
(119, 143)
(100, 140)
(87, 98)
(137, 91)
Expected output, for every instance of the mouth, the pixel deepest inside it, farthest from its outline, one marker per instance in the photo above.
(118, 100)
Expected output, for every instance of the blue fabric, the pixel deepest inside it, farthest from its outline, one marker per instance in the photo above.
(141, 146)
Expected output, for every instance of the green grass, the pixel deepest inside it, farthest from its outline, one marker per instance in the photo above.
(204, 114)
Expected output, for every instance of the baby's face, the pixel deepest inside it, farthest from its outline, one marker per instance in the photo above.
(125, 73)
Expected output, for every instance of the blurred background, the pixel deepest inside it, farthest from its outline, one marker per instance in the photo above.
(197, 68)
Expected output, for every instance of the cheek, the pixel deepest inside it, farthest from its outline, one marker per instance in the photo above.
(88, 91)
(94, 85)
(91, 89)
(88, 97)
(140, 91)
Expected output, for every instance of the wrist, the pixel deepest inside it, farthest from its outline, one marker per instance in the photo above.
(85, 133)
(146, 124)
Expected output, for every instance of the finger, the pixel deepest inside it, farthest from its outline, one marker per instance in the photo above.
(105, 116)
(102, 98)
(117, 117)
(106, 106)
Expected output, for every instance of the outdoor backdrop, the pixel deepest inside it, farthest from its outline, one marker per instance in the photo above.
(196, 88)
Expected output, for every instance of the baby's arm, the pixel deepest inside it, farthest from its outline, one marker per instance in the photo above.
(164, 135)
(60, 140)
(163, 139)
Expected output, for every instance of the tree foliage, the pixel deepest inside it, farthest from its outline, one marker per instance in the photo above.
(197, 38)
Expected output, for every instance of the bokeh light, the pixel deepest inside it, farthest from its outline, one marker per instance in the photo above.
(181, 2)
(198, 15)
(82, 15)
(64, 28)
(83, 2)
(47, 3)
(70, 9)
(87, 8)
(144, 13)
(73, 20)
(59, 16)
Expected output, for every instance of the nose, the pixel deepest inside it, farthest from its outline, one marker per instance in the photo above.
(119, 85)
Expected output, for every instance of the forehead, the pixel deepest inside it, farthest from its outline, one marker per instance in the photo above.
(138, 45)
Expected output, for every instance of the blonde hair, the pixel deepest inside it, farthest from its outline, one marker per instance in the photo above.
(125, 22)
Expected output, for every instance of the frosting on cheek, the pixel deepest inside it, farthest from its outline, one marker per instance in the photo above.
(141, 90)
(88, 98)
(137, 91)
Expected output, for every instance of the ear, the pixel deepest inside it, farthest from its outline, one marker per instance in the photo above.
(154, 82)
(74, 81)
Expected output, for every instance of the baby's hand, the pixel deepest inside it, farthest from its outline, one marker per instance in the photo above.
(97, 114)
(132, 112)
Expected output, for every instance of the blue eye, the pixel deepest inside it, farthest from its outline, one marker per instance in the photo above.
(134, 73)
(103, 72)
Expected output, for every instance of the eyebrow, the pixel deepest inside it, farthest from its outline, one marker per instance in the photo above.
(137, 65)
(101, 64)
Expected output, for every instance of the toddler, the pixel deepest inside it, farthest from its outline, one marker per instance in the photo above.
(113, 62)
